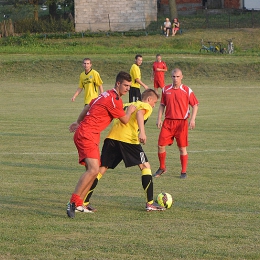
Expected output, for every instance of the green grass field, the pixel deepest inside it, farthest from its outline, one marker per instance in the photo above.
(216, 210)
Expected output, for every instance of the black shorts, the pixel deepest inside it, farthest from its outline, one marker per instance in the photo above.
(134, 94)
(113, 152)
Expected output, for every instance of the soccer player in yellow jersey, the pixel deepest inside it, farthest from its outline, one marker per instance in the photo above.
(135, 72)
(124, 143)
(90, 81)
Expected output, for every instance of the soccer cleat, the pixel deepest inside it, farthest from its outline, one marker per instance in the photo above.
(183, 175)
(89, 207)
(83, 209)
(154, 207)
(71, 209)
(159, 172)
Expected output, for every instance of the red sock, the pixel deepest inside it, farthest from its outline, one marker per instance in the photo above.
(76, 199)
(162, 158)
(184, 163)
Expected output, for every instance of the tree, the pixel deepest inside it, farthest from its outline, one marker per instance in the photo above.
(173, 9)
(35, 4)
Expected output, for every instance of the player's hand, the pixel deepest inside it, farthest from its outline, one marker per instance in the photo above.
(142, 138)
(73, 99)
(192, 124)
(73, 127)
(131, 109)
(159, 124)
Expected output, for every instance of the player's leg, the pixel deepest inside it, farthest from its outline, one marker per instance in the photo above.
(156, 85)
(182, 142)
(110, 158)
(86, 203)
(82, 187)
(165, 138)
(134, 94)
(147, 183)
(131, 94)
(184, 161)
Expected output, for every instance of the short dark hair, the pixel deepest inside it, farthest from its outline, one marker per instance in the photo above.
(138, 56)
(87, 59)
(122, 75)
(149, 92)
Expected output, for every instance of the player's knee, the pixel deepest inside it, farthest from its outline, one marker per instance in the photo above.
(161, 149)
(146, 171)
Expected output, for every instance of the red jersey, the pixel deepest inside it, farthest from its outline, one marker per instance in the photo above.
(103, 109)
(177, 101)
(159, 75)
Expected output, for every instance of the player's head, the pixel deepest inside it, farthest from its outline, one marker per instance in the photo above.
(138, 59)
(87, 63)
(121, 76)
(176, 77)
(158, 57)
(123, 83)
(150, 96)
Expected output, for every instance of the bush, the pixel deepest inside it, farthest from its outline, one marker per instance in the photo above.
(47, 24)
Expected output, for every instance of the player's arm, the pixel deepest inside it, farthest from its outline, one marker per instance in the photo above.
(193, 116)
(141, 83)
(152, 74)
(164, 69)
(140, 122)
(78, 91)
(101, 90)
(159, 117)
(73, 127)
(130, 110)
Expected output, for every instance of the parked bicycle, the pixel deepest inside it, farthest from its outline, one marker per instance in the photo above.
(219, 47)
(230, 46)
(209, 48)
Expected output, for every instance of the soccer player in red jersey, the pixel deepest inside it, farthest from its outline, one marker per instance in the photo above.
(93, 119)
(176, 101)
(159, 68)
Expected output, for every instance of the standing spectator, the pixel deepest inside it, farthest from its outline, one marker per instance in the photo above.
(175, 26)
(159, 68)
(135, 72)
(177, 98)
(93, 119)
(167, 27)
(90, 81)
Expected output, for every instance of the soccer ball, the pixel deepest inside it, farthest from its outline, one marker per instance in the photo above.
(165, 200)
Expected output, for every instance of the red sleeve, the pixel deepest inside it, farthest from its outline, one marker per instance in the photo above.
(193, 100)
(115, 108)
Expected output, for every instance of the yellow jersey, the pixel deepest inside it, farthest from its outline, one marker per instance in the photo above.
(90, 82)
(128, 133)
(135, 73)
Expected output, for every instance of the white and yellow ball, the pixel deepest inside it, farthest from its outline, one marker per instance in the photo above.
(165, 199)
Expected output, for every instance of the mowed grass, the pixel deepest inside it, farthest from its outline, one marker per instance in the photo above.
(216, 209)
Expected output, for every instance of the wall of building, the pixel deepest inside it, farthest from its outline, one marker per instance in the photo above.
(114, 15)
(233, 4)
(183, 6)
(193, 5)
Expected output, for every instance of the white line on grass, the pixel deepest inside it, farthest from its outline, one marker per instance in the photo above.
(190, 151)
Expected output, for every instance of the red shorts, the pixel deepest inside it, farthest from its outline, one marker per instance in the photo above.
(87, 148)
(158, 83)
(171, 129)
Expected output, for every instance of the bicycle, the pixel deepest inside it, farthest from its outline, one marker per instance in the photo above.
(230, 46)
(220, 48)
(205, 48)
